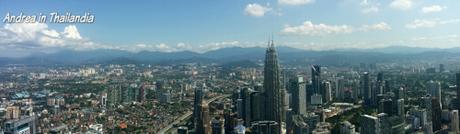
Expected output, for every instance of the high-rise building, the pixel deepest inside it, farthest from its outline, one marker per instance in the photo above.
(297, 88)
(13, 112)
(24, 125)
(454, 121)
(400, 108)
(265, 127)
(182, 130)
(442, 68)
(428, 106)
(340, 89)
(420, 115)
(326, 91)
(274, 98)
(249, 106)
(347, 128)
(316, 78)
(369, 124)
(299, 125)
(217, 126)
(114, 95)
(366, 89)
(434, 88)
(457, 104)
(436, 114)
(198, 99)
(203, 125)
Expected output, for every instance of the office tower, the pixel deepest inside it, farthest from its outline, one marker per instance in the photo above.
(457, 76)
(369, 124)
(24, 125)
(428, 106)
(114, 95)
(347, 128)
(288, 74)
(129, 93)
(265, 127)
(436, 114)
(316, 78)
(217, 126)
(366, 89)
(454, 121)
(250, 105)
(400, 108)
(441, 68)
(165, 97)
(299, 125)
(400, 93)
(257, 104)
(421, 115)
(142, 94)
(103, 100)
(297, 88)
(198, 99)
(387, 86)
(316, 99)
(326, 91)
(182, 130)
(203, 125)
(457, 104)
(380, 76)
(434, 88)
(13, 112)
(274, 98)
(386, 106)
(340, 88)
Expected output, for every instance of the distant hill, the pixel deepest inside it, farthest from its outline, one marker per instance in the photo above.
(239, 56)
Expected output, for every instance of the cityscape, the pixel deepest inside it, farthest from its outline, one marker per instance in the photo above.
(305, 79)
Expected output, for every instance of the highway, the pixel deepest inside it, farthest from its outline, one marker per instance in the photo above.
(186, 115)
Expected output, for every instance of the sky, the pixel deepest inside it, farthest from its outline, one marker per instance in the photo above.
(205, 25)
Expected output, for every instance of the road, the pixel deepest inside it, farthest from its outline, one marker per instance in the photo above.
(186, 115)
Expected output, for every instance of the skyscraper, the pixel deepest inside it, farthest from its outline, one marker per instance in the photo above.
(366, 89)
(369, 124)
(458, 90)
(326, 91)
(434, 88)
(274, 98)
(197, 105)
(454, 121)
(316, 78)
(436, 114)
(297, 89)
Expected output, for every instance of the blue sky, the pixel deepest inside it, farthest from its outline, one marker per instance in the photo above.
(203, 25)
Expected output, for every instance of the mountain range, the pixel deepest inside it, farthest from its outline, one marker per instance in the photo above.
(239, 55)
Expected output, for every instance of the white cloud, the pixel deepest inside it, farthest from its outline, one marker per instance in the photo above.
(382, 26)
(371, 9)
(256, 10)
(39, 36)
(26, 31)
(425, 23)
(401, 4)
(71, 32)
(295, 2)
(432, 9)
(310, 29)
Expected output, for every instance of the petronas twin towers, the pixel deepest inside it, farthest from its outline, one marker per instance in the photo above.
(273, 93)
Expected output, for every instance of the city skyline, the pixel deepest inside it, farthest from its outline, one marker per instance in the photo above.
(202, 26)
